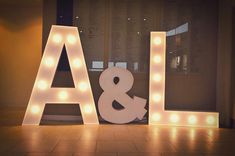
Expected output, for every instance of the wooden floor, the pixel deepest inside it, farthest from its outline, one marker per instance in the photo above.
(115, 140)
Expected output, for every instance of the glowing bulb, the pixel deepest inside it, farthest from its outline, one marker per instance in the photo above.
(83, 86)
(192, 119)
(87, 109)
(42, 85)
(35, 109)
(156, 117)
(157, 59)
(174, 118)
(156, 97)
(57, 38)
(63, 95)
(77, 63)
(210, 120)
(71, 39)
(157, 77)
(49, 62)
(157, 40)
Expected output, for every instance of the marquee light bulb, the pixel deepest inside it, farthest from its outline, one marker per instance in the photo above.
(71, 39)
(42, 85)
(77, 63)
(49, 62)
(83, 86)
(35, 109)
(210, 120)
(156, 97)
(174, 118)
(57, 38)
(192, 119)
(63, 95)
(157, 40)
(88, 109)
(157, 77)
(157, 59)
(156, 117)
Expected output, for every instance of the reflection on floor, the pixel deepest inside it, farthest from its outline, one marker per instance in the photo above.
(115, 140)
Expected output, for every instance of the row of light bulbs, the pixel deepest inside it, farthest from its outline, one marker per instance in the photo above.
(174, 118)
(156, 97)
(35, 109)
(57, 38)
(191, 119)
(43, 85)
(157, 77)
(50, 62)
(62, 95)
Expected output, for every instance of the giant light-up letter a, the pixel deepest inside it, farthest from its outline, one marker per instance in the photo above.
(43, 92)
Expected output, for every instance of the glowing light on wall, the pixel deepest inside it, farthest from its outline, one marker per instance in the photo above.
(43, 93)
(157, 92)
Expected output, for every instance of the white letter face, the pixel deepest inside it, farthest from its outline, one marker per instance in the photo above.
(133, 108)
(43, 92)
(157, 112)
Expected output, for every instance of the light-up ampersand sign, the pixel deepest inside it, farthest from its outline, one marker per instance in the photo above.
(43, 92)
(157, 112)
(133, 108)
